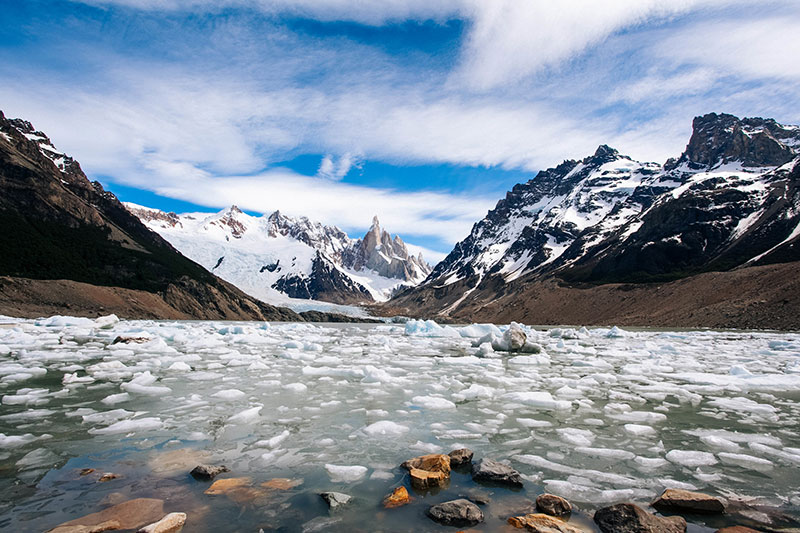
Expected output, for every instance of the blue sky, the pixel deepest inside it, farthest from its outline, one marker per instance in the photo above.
(421, 112)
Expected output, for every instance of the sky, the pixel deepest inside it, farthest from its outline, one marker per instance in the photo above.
(422, 113)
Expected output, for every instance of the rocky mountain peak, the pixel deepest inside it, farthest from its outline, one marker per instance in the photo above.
(718, 139)
(604, 154)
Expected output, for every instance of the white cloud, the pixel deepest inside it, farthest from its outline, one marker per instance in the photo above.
(333, 169)
(659, 87)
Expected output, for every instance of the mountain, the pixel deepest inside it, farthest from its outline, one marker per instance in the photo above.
(277, 257)
(70, 246)
(730, 200)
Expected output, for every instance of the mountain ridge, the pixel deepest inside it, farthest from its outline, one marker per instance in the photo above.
(730, 200)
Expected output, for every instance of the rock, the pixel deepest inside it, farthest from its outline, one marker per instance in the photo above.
(432, 463)
(428, 471)
(131, 340)
(736, 529)
(127, 515)
(677, 500)
(108, 476)
(553, 505)
(169, 524)
(489, 471)
(335, 499)
(542, 523)
(282, 483)
(514, 337)
(476, 496)
(222, 486)
(105, 526)
(456, 513)
(208, 472)
(425, 479)
(630, 518)
(460, 457)
(86, 471)
(397, 498)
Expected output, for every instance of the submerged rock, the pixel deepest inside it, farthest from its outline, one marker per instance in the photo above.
(542, 523)
(335, 499)
(224, 486)
(208, 472)
(169, 524)
(630, 518)
(553, 505)
(736, 529)
(487, 470)
(397, 498)
(456, 513)
(460, 457)
(105, 526)
(127, 515)
(282, 483)
(108, 476)
(678, 500)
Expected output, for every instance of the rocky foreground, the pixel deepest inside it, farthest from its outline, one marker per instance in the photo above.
(429, 474)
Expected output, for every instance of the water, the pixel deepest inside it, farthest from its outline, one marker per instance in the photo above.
(598, 416)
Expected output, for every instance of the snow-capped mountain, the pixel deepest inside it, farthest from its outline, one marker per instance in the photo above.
(730, 199)
(276, 257)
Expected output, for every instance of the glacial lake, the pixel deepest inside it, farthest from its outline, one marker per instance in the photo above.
(598, 416)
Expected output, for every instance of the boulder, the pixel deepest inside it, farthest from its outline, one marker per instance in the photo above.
(684, 501)
(208, 472)
(489, 471)
(335, 500)
(397, 498)
(514, 337)
(169, 524)
(553, 505)
(542, 523)
(127, 515)
(457, 513)
(460, 457)
(432, 463)
(428, 471)
(425, 479)
(105, 526)
(630, 518)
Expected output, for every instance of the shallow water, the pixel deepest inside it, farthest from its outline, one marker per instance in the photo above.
(599, 416)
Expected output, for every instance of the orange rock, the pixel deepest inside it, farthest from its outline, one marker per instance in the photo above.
(86, 471)
(282, 483)
(128, 515)
(425, 479)
(108, 476)
(397, 498)
(542, 523)
(432, 463)
(224, 486)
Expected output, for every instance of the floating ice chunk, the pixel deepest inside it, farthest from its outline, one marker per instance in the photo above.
(639, 416)
(639, 430)
(179, 366)
(106, 417)
(432, 402)
(229, 394)
(296, 387)
(651, 462)
(745, 461)
(785, 455)
(615, 333)
(27, 397)
(474, 392)
(530, 360)
(381, 475)
(129, 426)
(606, 453)
(691, 458)
(719, 443)
(38, 458)
(70, 379)
(479, 330)
(540, 400)
(247, 416)
(740, 404)
(106, 322)
(274, 441)
(739, 370)
(141, 384)
(345, 474)
(15, 441)
(59, 321)
(373, 374)
(385, 428)
(577, 437)
(425, 447)
(429, 328)
(533, 423)
(112, 399)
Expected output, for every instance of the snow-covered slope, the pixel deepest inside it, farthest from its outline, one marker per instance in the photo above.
(277, 258)
(731, 198)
